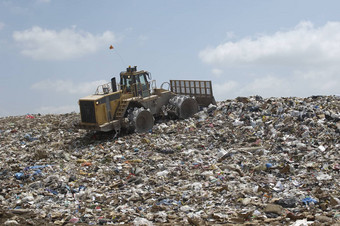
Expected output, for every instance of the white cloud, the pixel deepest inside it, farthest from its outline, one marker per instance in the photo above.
(44, 44)
(303, 45)
(325, 81)
(301, 83)
(217, 72)
(302, 61)
(67, 86)
(267, 86)
(58, 109)
(225, 90)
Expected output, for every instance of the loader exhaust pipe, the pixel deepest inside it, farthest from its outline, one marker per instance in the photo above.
(185, 106)
(113, 84)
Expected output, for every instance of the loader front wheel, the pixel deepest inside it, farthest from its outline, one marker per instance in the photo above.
(142, 120)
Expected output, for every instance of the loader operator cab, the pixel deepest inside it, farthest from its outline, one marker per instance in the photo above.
(135, 82)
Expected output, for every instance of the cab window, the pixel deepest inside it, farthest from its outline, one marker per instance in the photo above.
(142, 79)
(127, 81)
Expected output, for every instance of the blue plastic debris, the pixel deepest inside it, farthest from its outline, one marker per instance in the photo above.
(35, 167)
(29, 138)
(39, 166)
(308, 200)
(81, 187)
(269, 165)
(37, 173)
(25, 175)
(20, 176)
(52, 191)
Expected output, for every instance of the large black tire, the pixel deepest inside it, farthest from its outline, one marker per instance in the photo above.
(141, 120)
(185, 106)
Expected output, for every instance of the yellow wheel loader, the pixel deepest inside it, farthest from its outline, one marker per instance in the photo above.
(135, 101)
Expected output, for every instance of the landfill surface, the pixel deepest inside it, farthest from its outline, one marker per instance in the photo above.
(247, 161)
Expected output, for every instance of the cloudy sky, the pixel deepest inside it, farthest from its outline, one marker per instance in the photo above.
(53, 52)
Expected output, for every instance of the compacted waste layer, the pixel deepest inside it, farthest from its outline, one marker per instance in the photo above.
(250, 160)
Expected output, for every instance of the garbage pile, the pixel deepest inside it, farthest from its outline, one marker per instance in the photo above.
(245, 161)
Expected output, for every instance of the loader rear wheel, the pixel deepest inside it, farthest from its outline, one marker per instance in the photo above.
(188, 108)
(185, 106)
(141, 120)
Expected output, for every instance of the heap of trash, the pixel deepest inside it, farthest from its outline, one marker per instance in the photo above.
(250, 160)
